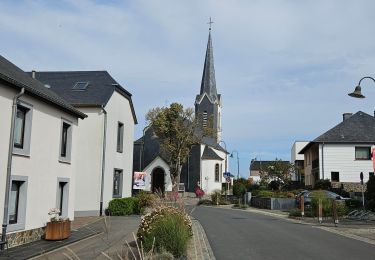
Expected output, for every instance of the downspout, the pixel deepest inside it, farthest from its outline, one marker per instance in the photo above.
(103, 161)
(323, 160)
(9, 165)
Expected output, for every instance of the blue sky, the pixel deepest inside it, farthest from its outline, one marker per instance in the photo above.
(284, 68)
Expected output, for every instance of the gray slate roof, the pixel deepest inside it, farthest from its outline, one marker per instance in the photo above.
(209, 154)
(359, 128)
(17, 77)
(99, 91)
(208, 84)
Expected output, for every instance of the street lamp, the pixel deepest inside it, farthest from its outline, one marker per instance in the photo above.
(357, 92)
(238, 163)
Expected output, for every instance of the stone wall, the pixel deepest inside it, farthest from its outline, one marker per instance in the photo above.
(24, 237)
(349, 186)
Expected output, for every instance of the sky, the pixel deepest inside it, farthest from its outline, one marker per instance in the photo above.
(283, 67)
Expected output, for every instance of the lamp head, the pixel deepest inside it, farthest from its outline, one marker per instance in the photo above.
(357, 93)
(231, 155)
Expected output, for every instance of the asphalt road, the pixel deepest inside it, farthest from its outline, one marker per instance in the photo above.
(236, 234)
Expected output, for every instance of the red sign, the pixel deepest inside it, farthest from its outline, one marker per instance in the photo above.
(373, 157)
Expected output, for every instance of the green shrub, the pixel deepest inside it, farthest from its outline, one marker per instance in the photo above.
(322, 184)
(353, 204)
(265, 194)
(216, 197)
(145, 200)
(370, 190)
(169, 227)
(295, 213)
(204, 202)
(326, 205)
(239, 188)
(274, 185)
(123, 206)
(371, 205)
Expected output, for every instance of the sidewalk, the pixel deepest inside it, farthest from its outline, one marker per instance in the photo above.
(92, 236)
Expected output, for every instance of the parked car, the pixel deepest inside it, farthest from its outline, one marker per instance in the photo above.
(308, 195)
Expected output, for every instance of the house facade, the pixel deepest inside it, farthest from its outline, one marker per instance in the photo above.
(207, 160)
(43, 158)
(104, 139)
(299, 161)
(342, 153)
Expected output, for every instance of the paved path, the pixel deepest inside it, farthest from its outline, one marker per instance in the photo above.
(236, 234)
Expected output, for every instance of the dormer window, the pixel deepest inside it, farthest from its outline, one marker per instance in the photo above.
(80, 86)
(204, 123)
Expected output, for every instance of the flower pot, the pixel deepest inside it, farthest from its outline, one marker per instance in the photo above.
(57, 230)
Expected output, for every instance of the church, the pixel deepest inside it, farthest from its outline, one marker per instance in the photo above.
(207, 161)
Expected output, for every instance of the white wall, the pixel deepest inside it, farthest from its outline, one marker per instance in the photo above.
(42, 167)
(341, 158)
(158, 163)
(208, 183)
(296, 148)
(89, 167)
(118, 110)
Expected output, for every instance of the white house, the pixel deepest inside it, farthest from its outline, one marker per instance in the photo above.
(41, 164)
(298, 161)
(342, 153)
(104, 139)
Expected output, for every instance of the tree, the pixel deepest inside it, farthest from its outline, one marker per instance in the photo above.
(278, 171)
(176, 129)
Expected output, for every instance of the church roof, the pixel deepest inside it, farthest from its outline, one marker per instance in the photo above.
(208, 84)
(209, 154)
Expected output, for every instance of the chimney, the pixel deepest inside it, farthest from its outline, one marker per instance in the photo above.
(346, 116)
(33, 74)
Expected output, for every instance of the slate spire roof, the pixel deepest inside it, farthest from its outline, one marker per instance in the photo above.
(208, 84)
(17, 77)
(359, 128)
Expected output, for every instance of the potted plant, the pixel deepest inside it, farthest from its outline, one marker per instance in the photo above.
(57, 228)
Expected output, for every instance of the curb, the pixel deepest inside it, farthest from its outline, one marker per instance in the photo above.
(199, 247)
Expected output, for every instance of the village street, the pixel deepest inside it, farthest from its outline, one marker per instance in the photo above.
(236, 234)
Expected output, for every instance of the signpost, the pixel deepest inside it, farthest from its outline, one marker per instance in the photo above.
(227, 176)
(363, 193)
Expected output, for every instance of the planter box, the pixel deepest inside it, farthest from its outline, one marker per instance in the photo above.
(57, 230)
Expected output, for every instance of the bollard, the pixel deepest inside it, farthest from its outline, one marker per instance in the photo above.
(320, 211)
(302, 205)
(334, 211)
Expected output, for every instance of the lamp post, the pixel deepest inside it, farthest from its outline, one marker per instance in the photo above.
(357, 92)
(238, 163)
(226, 167)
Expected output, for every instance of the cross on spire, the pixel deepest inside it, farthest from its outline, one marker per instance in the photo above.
(210, 23)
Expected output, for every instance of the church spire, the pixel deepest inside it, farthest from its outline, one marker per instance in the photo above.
(208, 84)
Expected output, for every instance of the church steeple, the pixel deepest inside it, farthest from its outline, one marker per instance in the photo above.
(208, 84)
(208, 103)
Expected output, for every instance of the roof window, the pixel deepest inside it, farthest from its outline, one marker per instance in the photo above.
(80, 86)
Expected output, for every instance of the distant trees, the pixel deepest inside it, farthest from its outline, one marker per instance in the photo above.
(277, 173)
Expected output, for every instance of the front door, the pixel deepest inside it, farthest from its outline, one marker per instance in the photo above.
(158, 182)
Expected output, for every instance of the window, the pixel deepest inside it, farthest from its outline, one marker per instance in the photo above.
(217, 173)
(62, 196)
(120, 137)
(19, 127)
(204, 123)
(66, 141)
(117, 184)
(22, 129)
(363, 153)
(335, 176)
(17, 203)
(80, 86)
(14, 197)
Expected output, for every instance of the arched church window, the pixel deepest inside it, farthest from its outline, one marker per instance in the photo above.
(204, 123)
(217, 173)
